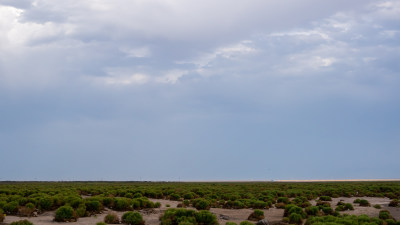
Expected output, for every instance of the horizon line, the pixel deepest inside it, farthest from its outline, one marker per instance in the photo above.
(216, 181)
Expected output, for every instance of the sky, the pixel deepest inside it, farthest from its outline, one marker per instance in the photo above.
(199, 90)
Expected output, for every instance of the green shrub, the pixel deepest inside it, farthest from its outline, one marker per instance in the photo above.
(348, 206)
(11, 207)
(283, 200)
(21, 222)
(377, 206)
(202, 204)
(289, 209)
(390, 222)
(323, 204)
(108, 202)
(364, 202)
(259, 205)
(363, 219)
(357, 201)
(246, 223)
(81, 210)
(2, 216)
(175, 196)
(132, 218)
(137, 195)
(340, 208)
(111, 218)
(325, 198)
(93, 206)
(205, 217)
(394, 203)
(185, 216)
(189, 195)
(46, 203)
(157, 205)
(312, 211)
(101, 223)
(230, 223)
(295, 218)
(327, 210)
(30, 206)
(122, 204)
(256, 215)
(64, 214)
(384, 215)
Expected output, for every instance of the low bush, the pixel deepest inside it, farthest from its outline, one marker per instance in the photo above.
(65, 214)
(205, 217)
(384, 215)
(11, 208)
(256, 215)
(81, 210)
(230, 223)
(364, 203)
(348, 206)
(295, 218)
(175, 197)
(132, 218)
(46, 203)
(325, 198)
(312, 211)
(93, 206)
(189, 195)
(377, 206)
(188, 216)
(289, 209)
(2, 216)
(202, 204)
(391, 222)
(101, 223)
(283, 200)
(327, 210)
(246, 223)
(122, 204)
(111, 218)
(323, 204)
(394, 203)
(344, 207)
(21, 222)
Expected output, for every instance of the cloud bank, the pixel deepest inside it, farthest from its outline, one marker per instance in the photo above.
(168, 90)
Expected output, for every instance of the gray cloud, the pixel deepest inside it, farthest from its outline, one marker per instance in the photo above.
(113, 88)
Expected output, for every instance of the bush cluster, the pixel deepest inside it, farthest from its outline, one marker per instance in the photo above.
(187, 216)
(21, 222)
(65, 214)
(132, 218)
(2, 216)
(256, 215)
(111, 218)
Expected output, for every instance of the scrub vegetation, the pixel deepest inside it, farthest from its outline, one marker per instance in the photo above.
(73, 200)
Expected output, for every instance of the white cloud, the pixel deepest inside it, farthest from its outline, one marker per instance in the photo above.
(171, 76)
(229, 52)
(124, 79)
(141, 52)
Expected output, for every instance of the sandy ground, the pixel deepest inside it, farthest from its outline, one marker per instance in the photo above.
(151, 217)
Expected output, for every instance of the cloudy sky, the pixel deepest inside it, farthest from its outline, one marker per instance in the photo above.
(199, 90)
